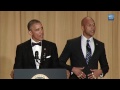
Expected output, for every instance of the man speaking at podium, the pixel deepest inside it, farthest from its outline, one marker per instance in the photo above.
(36, 53)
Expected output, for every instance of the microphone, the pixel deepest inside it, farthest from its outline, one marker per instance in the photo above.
(36, 55)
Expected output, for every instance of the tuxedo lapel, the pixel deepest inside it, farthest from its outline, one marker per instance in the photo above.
(95, 51)
(80, 49)
(30, 55)
(43, 52)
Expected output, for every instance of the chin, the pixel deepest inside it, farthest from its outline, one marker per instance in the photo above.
(92, 34)
(40, 39)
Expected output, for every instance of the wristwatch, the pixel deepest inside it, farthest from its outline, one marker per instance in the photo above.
(101, 75)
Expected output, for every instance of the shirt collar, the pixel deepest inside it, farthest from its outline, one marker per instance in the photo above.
(35, 41)
(85, 39)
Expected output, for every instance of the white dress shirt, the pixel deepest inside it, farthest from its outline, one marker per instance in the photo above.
(39, 49)
(84, 43)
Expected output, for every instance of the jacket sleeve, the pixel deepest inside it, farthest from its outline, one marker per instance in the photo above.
(65, 55)
(18, 58)
(103, 61)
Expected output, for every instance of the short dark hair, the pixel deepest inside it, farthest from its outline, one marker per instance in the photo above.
(31, 22)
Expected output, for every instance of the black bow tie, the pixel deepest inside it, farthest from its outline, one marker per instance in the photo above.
(33, 44)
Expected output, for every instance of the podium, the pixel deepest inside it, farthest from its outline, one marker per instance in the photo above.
(40, 74)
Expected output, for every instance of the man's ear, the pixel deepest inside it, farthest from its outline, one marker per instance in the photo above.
(30, 33)
(82, 27)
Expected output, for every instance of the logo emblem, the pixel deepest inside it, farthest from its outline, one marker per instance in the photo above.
(111, 17)
(39, 76)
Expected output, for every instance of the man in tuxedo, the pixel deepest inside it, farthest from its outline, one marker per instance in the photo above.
(85, 52)
(36, 53)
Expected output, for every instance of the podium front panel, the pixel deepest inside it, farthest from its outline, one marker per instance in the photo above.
(40, 74)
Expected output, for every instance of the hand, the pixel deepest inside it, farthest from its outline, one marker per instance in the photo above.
(78, 72)
(12, 74)
(95, 74)
(68, 74)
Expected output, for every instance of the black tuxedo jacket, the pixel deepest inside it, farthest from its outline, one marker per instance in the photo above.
(73, 51)
(25, 59)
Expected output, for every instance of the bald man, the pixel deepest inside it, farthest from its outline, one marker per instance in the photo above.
(85, 52)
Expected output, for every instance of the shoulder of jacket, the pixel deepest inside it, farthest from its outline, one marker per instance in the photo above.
(98, 41)
(48, 42)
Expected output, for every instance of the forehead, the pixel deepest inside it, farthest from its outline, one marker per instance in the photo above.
(37, 24)
(88, 20)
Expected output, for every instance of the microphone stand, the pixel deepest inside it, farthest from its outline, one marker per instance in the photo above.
(37, 58)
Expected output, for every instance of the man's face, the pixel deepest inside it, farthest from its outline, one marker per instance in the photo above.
(88, 28)
(36, 32)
